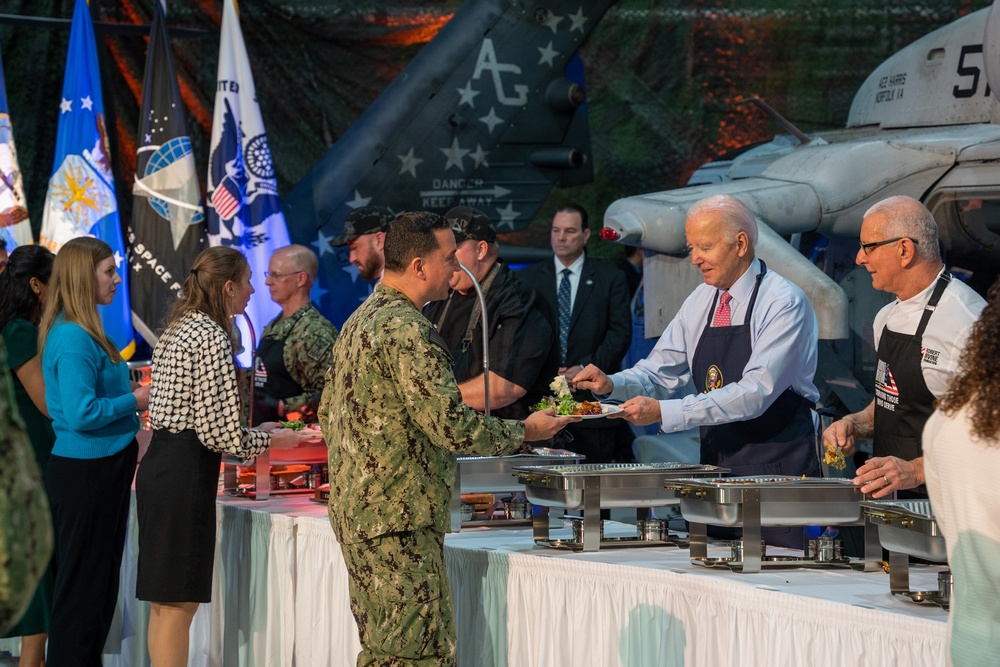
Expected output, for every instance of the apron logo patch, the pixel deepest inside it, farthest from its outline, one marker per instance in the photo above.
(884, 379)
(713, 379)
(260, 374)
(886, 391)
(930, 356)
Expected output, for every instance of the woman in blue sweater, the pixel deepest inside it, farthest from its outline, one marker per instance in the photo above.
(89, 473)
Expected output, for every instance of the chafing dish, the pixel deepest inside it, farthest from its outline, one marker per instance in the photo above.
(264, 464)
(262, 488)
(494, 474)
(907, 528)
(594, 486)
(771, 500)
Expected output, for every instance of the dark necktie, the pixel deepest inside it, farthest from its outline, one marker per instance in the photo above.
(722, 314)
(565, 309)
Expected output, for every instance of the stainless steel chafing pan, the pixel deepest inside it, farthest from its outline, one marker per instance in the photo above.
(619, 484)
(595, 486)
(755, 501)
(907, 526)
(783, 500)
(494, 474)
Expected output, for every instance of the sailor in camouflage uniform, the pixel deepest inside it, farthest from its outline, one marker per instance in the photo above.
(296, 347)
(25, 523)
(394, 421)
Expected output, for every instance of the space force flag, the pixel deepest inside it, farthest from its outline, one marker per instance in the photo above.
(243, 210)
(168, 222)
(81, 197)
(15, 228)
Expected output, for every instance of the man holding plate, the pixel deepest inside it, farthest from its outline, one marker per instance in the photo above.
(746, 339)
(394, 421)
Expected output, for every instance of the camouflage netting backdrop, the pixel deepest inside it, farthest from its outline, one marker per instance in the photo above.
(662, 77)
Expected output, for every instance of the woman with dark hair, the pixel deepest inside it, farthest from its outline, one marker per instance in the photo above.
(22, 296)
(90, 470)
(962, 459)
(194, 410)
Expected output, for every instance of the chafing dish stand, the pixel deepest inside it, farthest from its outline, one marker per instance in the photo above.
(755, 501)
(262, 481)
(592, 487)
(495, 474)
(908, 528)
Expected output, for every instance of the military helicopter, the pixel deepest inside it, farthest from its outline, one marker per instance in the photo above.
(923, 124)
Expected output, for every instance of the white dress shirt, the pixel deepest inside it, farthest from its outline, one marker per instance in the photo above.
(783, 334)
(947, 331)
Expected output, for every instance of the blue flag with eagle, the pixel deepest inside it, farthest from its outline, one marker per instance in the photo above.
(242, 208)
(81, 197)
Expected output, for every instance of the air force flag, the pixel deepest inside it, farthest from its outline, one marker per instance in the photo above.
(243, 210)
(81, 197)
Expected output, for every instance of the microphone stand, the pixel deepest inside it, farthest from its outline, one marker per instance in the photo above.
(262, 480)
(456, 495)
(486, 337)
(253, 365)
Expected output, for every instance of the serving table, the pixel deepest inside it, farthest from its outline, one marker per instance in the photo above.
(281, 598)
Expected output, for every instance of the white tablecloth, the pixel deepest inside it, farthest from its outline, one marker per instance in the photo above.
(522, 605)
(279, 593)
(281, 598)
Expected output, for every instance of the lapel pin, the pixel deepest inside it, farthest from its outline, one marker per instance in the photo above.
(589, 281)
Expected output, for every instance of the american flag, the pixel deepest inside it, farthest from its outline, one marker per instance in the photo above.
(226, 199)
(883, 378)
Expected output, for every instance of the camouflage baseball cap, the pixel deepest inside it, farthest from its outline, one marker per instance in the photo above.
(361, 221)
(470, 223)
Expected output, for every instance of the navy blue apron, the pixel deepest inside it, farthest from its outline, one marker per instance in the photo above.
(782, 441)
(903, 403)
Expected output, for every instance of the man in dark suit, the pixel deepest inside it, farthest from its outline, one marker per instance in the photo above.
(588, 307)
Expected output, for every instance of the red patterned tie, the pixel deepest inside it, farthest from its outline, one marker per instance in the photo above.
(722, 313)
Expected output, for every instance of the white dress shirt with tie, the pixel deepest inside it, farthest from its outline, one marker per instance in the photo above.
(783, 333)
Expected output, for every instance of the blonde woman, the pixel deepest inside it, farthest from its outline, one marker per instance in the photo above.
(194, 410)
(90, 470)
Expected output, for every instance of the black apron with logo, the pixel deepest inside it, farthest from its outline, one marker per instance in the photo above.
(782, 441)
(271, 381)
(903, 403)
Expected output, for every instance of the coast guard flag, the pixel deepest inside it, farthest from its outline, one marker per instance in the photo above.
(168, 222)
(243, 210)
(81, 196)
(15, 228)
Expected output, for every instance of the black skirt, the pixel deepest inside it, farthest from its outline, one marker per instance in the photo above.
(175, 492)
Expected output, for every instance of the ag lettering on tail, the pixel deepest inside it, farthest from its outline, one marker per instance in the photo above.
(491, 114)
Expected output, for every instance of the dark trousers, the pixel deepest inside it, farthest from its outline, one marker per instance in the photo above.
(90, 501)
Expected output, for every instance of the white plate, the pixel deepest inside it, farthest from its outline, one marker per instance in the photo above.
(606, 409)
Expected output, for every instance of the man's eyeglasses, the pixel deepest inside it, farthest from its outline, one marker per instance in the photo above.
(868, 247)
(268, 274)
